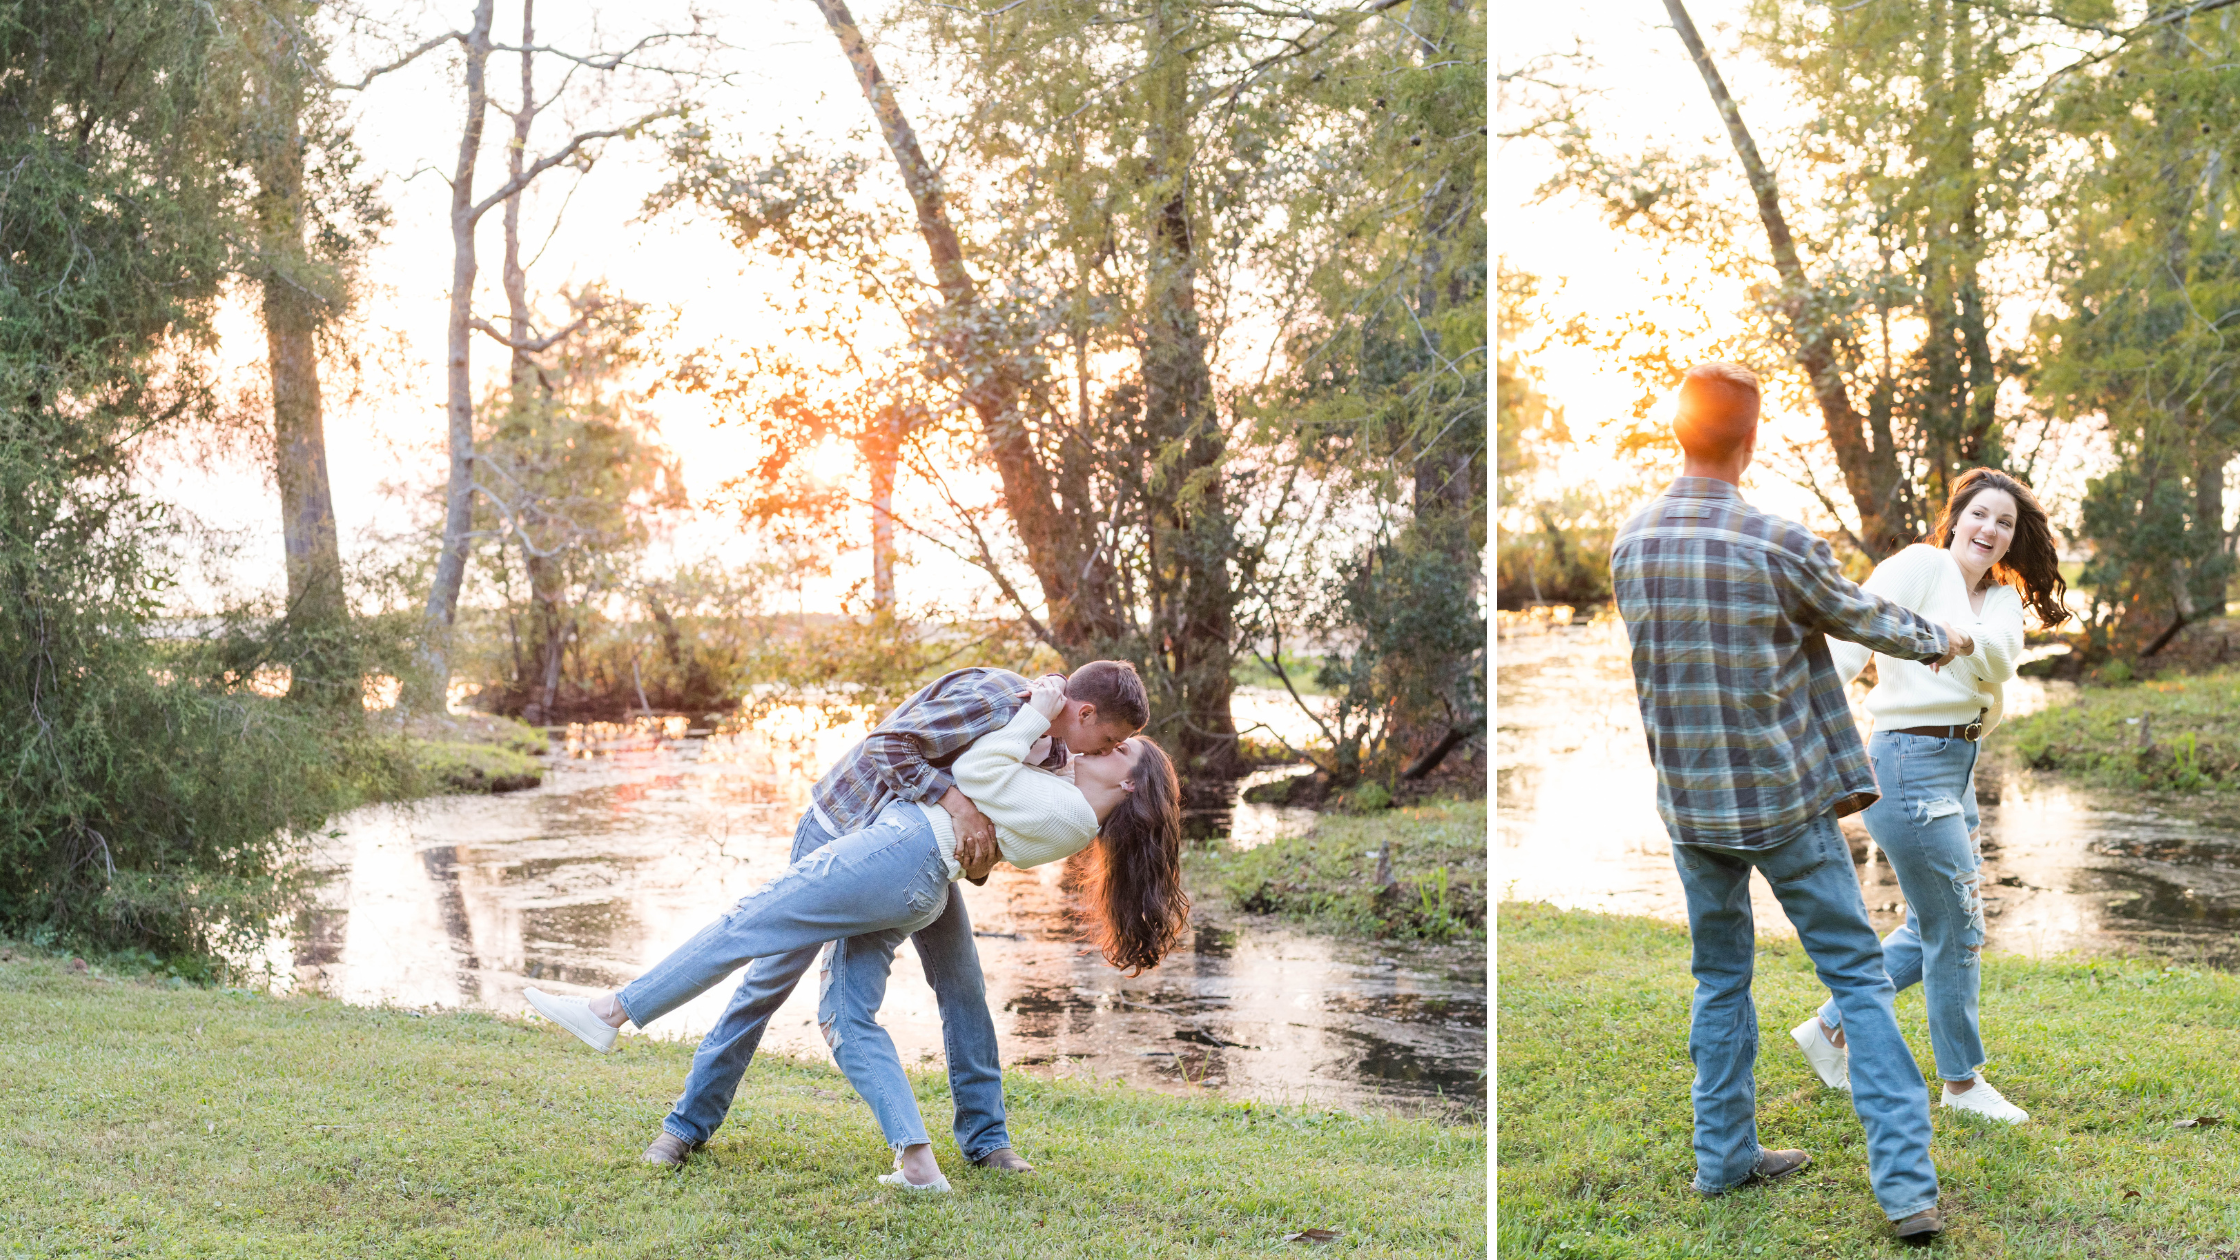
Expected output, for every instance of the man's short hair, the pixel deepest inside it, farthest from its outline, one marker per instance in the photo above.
(1718, 411)
(1115, 688)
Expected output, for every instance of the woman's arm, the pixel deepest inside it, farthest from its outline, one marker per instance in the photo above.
(1031, 804)
(1998, 637)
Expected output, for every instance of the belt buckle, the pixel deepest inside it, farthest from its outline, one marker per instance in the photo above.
(1973, 731)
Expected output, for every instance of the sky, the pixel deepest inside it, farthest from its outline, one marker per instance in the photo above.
(784, 71)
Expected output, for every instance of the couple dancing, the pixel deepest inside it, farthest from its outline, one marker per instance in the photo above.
(980, 764)
(1730, 614)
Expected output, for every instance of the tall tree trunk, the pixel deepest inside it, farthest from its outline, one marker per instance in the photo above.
(528, 399)
(884, 448)
(1871, 475)
(297, 299)
(1076, 581)
(1198, 641)
(430, 691)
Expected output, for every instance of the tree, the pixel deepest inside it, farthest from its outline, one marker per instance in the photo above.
(570, 475)
(150, 797)
(2149, 265)
(1386, 394)
(427, 690)
(312, 221)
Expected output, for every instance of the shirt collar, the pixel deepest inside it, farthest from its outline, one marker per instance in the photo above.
(1702, 488)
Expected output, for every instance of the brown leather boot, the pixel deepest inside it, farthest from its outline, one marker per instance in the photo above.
(1771, 1166)
(1921, 1226)
(671, 1151)
(1004, 1159)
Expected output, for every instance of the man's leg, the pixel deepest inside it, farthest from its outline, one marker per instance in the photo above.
(1813, 877)
(1723, 1029)
(968, 1031)
(729, 1047)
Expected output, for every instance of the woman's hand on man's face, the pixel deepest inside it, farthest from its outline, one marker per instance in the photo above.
(1048, 695)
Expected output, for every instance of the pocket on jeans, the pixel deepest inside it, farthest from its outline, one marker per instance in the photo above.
(1805, 856)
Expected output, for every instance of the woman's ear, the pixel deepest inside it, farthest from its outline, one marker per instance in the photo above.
(1127, 785)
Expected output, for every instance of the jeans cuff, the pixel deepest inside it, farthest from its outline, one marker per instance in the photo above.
(675, 1128)
(1899, 1214)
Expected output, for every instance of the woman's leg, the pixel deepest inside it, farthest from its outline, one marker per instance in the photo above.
(890, 874)
(1934, 858)
(851, 986)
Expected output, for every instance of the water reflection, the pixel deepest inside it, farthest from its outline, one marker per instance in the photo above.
(2067, 870)
(637, 838)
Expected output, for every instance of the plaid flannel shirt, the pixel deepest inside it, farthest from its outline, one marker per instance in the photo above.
(907, 756)
(1727, 608)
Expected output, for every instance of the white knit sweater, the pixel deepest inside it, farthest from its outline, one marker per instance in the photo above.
(1927, 580)
(1039, 816)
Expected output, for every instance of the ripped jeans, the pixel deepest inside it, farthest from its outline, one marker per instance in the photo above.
(1925, 825)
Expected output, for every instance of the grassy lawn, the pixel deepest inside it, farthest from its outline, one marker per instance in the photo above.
(1592, 1100)
(2193, 722)
(1327, 877)
(138, 1120)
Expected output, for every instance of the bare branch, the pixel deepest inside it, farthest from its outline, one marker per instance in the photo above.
(599, 61)
(535, 345)
(575, 144)
(399, 64)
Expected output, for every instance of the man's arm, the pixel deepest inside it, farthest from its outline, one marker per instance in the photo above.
(1832, 604)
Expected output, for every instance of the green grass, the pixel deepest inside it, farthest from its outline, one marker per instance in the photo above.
(1250, 671)
(2194, 720)
(1592, 1099)
(1327, 877)
(455, 767)
(470, 752)
(170, 1121)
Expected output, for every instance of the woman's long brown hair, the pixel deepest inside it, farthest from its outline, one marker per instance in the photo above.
(1132, 885)
(2031, 564)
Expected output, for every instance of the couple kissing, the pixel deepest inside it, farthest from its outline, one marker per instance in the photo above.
(979, 765)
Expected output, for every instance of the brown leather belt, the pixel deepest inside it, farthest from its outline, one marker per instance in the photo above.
(1971, 732)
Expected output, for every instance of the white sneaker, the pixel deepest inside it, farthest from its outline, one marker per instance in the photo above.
(1830, 1061)
(1986, 1102)
(573, 1014)
(939, 1184)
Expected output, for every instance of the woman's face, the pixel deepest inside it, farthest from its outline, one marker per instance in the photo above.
(1984, 531)
(1108, 772)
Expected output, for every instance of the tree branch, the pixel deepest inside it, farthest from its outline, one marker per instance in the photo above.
(399, 64)
(575, 143)
(533, 345)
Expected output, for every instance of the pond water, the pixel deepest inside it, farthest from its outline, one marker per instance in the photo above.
(2067, 870)
(639, 836)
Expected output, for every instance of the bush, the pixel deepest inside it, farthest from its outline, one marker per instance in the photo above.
(153, 799)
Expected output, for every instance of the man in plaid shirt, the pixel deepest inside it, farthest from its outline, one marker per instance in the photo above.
(907, 758)
(1727, 610)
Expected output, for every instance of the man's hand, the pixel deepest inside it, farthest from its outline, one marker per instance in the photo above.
(976, 836)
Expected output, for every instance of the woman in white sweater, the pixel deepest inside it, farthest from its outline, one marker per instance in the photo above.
(1993, 556)
(873, 888)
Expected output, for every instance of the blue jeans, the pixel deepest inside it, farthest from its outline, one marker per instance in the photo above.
(952, 967)
(1925, 824)
(1812, 877)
